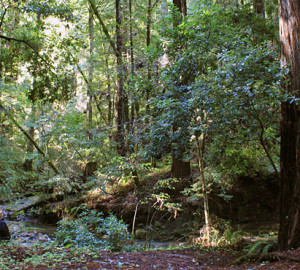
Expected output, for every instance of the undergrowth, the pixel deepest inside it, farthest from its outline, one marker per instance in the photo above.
(92, 229)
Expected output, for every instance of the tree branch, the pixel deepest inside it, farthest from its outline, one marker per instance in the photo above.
(30, 46)
(262, 140)
(105, 30)
(2, 19)
(9, 115)
(79, 69)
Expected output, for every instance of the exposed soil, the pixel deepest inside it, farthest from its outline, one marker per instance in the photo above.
(190, 258)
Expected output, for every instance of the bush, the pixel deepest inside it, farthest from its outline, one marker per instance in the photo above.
(91, 229)
(116, 232)
(75, 233)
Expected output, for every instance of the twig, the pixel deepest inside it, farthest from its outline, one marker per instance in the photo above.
(2, 19)
(134, 218)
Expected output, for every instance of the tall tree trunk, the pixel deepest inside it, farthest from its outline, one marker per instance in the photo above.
(89, 109)
(289, 230)
(179, 168)
(132, 73)
(125, 32)
(28, 163)
(120, 135)
(109, 98)
(259, 6)
(131, 64)
(117, 48)
(148, 40)
(181, 5)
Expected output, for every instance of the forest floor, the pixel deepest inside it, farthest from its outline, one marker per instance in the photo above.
(180, 259)
(16, 256)
(176, 259)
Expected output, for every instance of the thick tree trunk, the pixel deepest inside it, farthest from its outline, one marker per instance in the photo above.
(181, 5)
(289, 231)
(120, 85)
(180, 168)
(259, 6)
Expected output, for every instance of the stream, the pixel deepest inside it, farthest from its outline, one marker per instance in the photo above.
(29, 231)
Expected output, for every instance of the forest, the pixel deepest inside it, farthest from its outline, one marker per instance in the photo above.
(149, 134)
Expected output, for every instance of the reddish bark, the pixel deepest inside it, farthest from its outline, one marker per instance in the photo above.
(289, 231)
(259, 7)
(120, 134)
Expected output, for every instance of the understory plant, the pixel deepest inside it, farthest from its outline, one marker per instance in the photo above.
(91, 229)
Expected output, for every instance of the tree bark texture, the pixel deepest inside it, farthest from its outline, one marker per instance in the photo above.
(180, 168)
(259, 6)
(289, 230)
(181, 5)
(120, 134)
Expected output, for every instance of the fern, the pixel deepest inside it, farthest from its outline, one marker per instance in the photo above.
(257, 246)
(262, 246)
(267, 248)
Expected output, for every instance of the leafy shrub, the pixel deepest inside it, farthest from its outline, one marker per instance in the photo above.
(116, 232)
(75, 233)
(91, 229)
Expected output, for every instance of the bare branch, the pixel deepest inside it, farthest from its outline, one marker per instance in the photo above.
(2, 19)
(105, 30)
(26, 42)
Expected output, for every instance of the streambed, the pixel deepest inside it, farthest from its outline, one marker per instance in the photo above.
(29, 231)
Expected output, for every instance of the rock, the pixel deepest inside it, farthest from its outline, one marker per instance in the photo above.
(23, 204)
(4, 231)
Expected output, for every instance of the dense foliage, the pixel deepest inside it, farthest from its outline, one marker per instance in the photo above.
(93, 104)
(86, 231)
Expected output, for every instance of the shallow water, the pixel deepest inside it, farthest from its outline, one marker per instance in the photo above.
(36, 229)
(31, 226)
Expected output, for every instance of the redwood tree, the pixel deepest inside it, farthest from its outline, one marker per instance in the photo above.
(289, 231)
(180, 168)
(120, 84)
